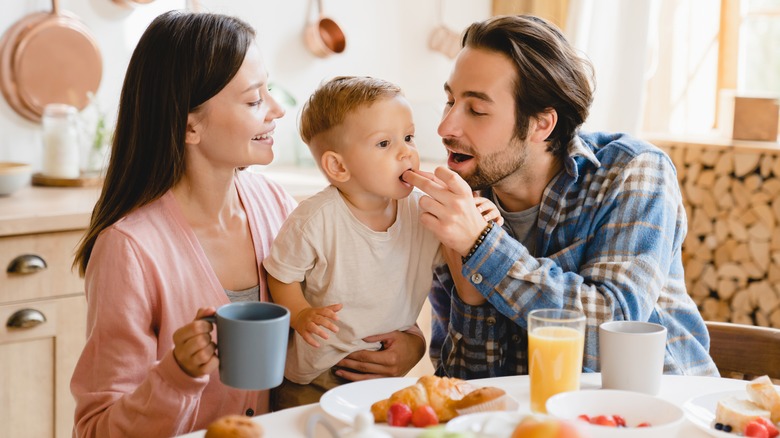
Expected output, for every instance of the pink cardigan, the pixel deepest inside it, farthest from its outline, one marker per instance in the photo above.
(146, 278)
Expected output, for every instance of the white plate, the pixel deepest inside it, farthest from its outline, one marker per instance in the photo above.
(487, 424)
(346, 401)
(700, 410)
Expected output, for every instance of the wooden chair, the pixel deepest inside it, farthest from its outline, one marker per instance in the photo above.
(747, 350)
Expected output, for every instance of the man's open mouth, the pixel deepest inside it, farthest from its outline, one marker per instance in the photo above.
(459, 158)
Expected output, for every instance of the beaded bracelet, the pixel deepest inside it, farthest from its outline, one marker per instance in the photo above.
(479, 241)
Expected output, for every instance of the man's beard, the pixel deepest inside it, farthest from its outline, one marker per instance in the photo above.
(492, 169)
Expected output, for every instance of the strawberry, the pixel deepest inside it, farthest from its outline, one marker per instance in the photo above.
(770, 427)
(603, 420)
(755, 429)
(399, 414)
(645, 424)
(424, 416)
(584, 418)
(619, 421)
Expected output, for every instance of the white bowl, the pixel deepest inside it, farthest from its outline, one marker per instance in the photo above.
(13, 176)
(665, 418)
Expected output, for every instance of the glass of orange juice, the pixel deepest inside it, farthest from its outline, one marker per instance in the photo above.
(556, 340)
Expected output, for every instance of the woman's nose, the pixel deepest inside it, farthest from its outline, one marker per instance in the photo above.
(275, 110)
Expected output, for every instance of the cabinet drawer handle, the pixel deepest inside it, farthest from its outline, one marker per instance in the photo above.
(26, 318)
(27, 264)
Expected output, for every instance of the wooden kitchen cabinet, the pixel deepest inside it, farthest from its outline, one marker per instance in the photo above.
(39, 353)
(40, 228)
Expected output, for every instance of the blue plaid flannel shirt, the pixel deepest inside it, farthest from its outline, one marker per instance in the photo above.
(610, 231)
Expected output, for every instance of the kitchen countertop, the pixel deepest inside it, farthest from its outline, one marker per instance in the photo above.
(35, 209)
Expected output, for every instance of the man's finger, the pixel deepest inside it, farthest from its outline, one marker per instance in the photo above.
(430, 186)
(453, 181)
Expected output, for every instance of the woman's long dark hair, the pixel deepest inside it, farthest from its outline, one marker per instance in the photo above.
(181, 61)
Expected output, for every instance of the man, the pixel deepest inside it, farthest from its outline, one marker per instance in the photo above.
(593, 222)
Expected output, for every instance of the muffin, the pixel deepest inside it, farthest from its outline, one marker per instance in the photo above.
(234, 426)
(484, 399)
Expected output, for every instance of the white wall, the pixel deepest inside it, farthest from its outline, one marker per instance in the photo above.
(387, 39)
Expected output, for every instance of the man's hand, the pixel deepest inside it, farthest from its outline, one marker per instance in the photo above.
(449, 210)
(400, 353)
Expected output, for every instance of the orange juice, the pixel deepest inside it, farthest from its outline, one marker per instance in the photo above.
(554, 363)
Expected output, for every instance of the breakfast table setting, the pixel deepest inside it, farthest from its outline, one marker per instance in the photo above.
(696, 395)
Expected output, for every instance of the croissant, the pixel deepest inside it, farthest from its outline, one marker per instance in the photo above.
(440, 393)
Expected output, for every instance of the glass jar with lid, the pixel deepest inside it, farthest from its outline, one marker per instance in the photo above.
(60, 141)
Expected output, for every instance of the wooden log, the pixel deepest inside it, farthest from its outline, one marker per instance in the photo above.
(774, 318)
(694, 268)
(748, 217)
(741, 253)
(692, 173)
(735, 272)
(726, 288)
(738, 230)
(707, 179)
(753, 271)
(766, 165)
(725, 164)
(701, 224)
(764, 214)
(759, 231)
(760, 198)
(745, 162)
(740, 303)
(709, 156)
(709, 277)
(709, 308)
(721, 230)
(692, 194)
(692, 156)
(753, 182)
(771, 186)
(773, 273)
(759, 253)
(740, 193)
(710, 205)
(741, 318)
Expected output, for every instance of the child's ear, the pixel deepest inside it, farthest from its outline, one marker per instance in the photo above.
(192, 134)
(334, 167)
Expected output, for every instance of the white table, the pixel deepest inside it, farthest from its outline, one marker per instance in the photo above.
(677, 389)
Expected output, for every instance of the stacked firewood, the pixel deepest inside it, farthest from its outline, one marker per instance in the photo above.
(732, 251)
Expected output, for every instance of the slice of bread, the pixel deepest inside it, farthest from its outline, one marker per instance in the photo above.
(737, 413)
(763, 393)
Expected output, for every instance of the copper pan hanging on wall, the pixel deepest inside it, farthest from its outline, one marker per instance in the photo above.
(48, 58)
(323, 36)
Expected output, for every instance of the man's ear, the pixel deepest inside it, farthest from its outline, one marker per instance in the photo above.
(542, 125)
(192, 134)
(334, 167)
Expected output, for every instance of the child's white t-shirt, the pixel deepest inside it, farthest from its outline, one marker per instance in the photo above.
(381, 278)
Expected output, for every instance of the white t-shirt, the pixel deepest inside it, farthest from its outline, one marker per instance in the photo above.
(381, 278)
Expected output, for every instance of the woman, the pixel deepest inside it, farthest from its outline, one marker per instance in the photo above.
(178, 230)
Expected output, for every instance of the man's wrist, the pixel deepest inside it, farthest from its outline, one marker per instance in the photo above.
(478, 242)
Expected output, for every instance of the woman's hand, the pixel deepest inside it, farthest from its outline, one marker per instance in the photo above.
(312, 320)
(400, 353)
(193, 349)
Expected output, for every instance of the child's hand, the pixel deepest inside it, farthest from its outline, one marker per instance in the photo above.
(489, 210)
(311, 321)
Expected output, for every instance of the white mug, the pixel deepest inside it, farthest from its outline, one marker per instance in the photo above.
(632, 355)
